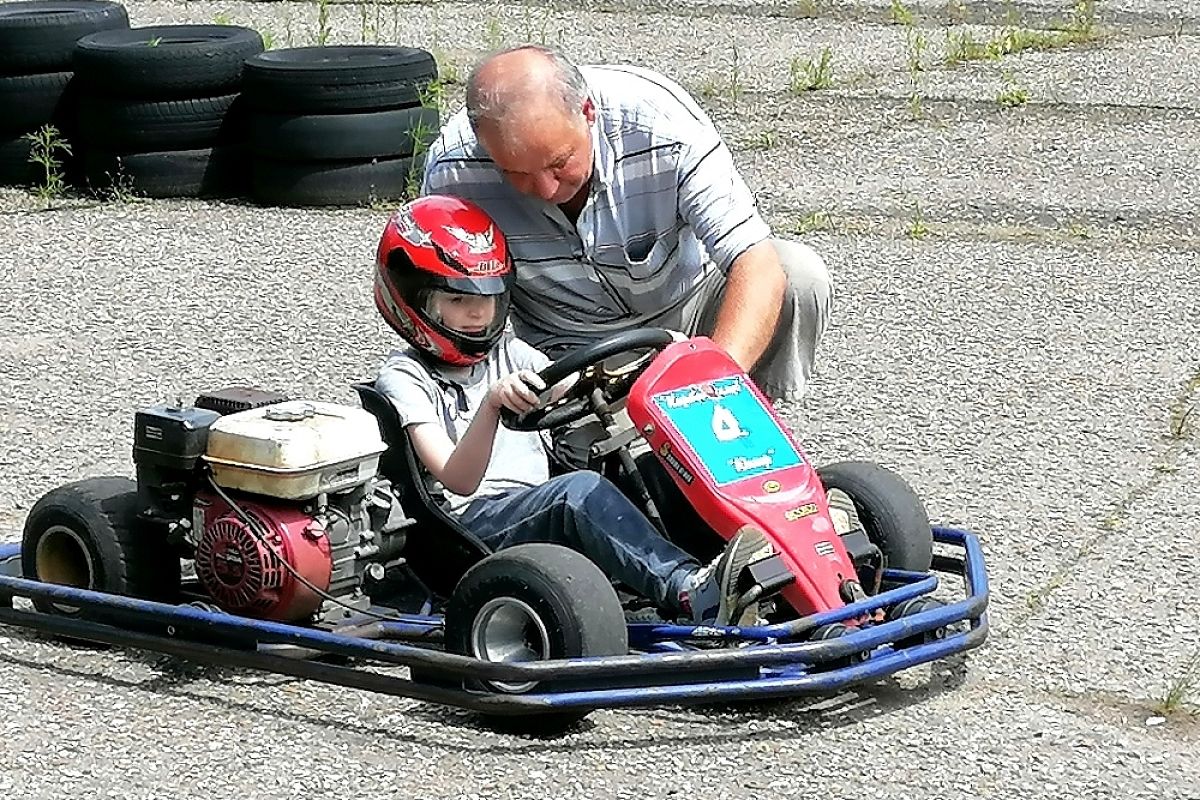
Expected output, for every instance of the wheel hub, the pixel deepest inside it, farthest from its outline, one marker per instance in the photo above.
(62, 558)
(508, 630)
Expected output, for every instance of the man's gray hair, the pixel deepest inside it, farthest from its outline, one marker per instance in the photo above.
(494, 104)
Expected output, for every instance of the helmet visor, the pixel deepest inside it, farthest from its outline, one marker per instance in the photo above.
(472, 318)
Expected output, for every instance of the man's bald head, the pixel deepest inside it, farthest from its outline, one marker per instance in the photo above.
(518, 85)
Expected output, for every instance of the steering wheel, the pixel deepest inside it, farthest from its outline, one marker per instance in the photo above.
(576, 403)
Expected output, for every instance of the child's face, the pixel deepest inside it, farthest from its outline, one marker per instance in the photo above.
(467, 313)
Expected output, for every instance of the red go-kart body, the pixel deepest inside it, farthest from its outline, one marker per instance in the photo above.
(737, 464)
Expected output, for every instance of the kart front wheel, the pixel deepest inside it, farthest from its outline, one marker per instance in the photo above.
(86, 534)
(534, 602)
(890, 510)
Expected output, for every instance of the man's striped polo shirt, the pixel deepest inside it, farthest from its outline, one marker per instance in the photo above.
(666, 208)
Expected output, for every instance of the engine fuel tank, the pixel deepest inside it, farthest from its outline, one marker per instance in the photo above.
(294, 450)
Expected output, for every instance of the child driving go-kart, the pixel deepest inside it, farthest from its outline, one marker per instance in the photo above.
(443, 281)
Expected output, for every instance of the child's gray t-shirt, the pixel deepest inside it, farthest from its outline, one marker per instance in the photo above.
(449, 396)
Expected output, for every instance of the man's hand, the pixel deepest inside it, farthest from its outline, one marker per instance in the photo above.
(518, 391)
(749, 311)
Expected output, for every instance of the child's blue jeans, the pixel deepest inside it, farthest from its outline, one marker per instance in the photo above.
(587, 513)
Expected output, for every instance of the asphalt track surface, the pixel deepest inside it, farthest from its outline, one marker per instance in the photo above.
(1026, 363)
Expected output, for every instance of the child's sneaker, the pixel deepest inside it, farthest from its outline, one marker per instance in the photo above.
(842, 512)
(711, 593)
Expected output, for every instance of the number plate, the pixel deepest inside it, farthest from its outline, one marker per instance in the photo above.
(729, 428)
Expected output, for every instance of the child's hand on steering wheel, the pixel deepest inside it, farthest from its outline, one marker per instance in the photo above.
(517, 392)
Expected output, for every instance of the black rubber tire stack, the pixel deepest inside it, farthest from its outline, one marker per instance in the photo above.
(338, 125)
(160, 109)
(37, 40)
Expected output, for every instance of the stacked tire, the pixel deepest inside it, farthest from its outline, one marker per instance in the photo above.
(37, 40)
(338, 125)
(160, 109)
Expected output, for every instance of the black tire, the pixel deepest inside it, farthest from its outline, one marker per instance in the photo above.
(165, 62)
(890, 510)
(15, 167)
(343, 137)
(205, 172)
(331, 183)
(87, 534)
(31, 101)
(132, 126)
(572, 598)
(345, 78)
(40, 36)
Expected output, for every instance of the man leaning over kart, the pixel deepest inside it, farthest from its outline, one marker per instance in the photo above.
(443, 281)
(623, 209)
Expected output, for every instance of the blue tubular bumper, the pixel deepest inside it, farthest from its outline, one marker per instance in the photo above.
(772, 661)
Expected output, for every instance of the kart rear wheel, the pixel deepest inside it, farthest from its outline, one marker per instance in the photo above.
(890, 510)
(534, 602)
(86, 534)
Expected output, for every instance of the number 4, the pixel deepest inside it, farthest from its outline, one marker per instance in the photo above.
(725, 425)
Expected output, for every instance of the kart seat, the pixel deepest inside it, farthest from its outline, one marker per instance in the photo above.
(439, 549)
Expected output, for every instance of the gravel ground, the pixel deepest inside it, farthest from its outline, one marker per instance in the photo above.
(1020, 363)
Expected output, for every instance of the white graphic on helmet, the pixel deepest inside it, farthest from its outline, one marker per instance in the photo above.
(409, 229)
(475, 242)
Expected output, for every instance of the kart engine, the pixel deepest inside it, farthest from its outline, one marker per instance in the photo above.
(297, 515)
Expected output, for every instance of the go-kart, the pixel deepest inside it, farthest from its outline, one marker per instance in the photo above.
(271, 533)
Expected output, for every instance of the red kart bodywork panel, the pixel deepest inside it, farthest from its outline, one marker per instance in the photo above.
(727, 450)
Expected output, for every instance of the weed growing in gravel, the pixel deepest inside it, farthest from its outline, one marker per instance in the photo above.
(917, 229)
(323, 27)
(762, 140)
(1079, 28)
(1182, 687)
(1078, 230)
(1013, 94)
(120, 188)
(806, 9)
(916, 50)
(900, 14)
(45, 145)
(816, 221)
(493, 36)
(1182, 420)
(956, 10)
(813, 74)
(732, 86)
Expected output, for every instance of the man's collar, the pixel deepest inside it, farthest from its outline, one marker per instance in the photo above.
(602, 151)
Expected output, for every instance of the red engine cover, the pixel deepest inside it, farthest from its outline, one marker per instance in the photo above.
(246, 577)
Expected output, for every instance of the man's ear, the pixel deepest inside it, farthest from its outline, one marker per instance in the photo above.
(589, 110)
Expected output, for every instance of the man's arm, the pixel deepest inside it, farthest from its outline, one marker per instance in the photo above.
(750, 309)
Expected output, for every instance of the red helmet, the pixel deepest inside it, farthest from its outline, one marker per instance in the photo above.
(442, 243)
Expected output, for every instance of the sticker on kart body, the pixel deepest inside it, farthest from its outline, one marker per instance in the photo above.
(729, 428)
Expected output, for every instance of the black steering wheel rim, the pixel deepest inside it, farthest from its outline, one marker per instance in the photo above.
(567, 411)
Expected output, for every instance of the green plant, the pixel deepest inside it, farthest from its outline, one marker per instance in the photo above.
(154, 41)
(1182, 686)
(917, 44)
(323, 27)
(1181, 422)
(816, 221)
(493, 36)
(1078, 230)
(268, 40)
(735, 76)
(956, 10)
(44, 146)
(813, 74)
(917, 229)
(222, 18)
(1012, 94)
(900, 13)
(763, 140)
